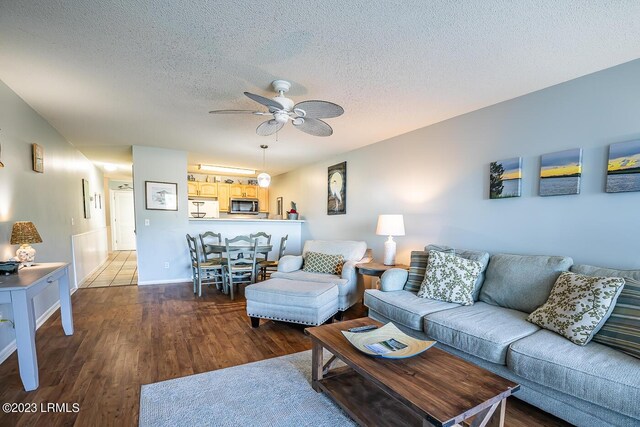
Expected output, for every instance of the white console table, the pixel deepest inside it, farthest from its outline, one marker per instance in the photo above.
(19, 290)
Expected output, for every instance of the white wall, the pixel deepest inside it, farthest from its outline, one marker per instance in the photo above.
(49, 200)
(163, 240)
(437, 177)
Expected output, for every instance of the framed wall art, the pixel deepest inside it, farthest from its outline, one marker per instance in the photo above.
(279, 207)
(38, 158)
(560, 172)
(623, 169)
(337, 189)
(505, 178)
(86, 198)
(161, 196)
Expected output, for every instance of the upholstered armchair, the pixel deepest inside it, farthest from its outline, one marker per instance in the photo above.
(350, 284)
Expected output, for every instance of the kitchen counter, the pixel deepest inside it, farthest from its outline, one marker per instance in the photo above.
(232, 227)
(247, 220)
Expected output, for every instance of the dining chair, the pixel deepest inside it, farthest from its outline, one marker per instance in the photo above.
(266, 265)
(208, 239)
(201, 270)
(241, 262)
(262, 239)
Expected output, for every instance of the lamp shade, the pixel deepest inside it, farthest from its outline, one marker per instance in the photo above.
(24, 232)
(264, 179)
(390, 225)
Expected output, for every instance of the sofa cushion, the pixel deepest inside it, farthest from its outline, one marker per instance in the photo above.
(521, 282)
(349, 249)
(316, 262)
(482, 330)
(403, 307)
(290, 293)
(303, 276)
(594, 372)
(450, 278)
(578, 306)
(480, 256)
(622, 330)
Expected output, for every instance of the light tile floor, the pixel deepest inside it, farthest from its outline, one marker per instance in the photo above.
(120, 269)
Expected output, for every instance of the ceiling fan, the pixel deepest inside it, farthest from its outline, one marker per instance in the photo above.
(304, 115)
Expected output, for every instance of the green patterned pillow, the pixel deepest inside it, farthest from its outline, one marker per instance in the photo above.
(622, 330)
(578, 306)
(316, 262)
(418, 266)
(450, 278)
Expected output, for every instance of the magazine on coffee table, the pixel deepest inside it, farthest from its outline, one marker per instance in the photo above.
(388, 342)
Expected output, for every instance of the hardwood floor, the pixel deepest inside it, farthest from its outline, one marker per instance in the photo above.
(128, 336)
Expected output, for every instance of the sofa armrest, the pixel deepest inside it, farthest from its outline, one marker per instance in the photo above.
(393, 279)
(349, 271)
(289, 263)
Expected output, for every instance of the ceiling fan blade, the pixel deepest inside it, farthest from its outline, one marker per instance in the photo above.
(269, 127)
(237, 112)
(265, 101)
(320, 109)
(315, 127)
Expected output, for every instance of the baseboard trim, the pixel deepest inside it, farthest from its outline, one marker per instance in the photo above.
(164, 282)
(82, 282)
(11, 347)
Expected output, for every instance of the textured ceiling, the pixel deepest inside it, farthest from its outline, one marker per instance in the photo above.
(111, 74)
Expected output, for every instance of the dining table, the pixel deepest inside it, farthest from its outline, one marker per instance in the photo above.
(220, 248)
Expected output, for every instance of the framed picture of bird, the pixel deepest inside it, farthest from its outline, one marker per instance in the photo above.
(337, 189)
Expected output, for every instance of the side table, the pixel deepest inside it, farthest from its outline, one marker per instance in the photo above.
(19, 291)
(376, 269)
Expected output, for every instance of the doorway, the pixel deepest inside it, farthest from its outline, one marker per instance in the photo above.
(123, 224)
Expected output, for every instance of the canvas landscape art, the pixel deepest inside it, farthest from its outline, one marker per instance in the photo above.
(623, 171)
(505, 178)
(560, 172)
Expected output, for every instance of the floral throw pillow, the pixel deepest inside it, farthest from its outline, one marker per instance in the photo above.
(449, 278)
(578, 306)
(316, 262)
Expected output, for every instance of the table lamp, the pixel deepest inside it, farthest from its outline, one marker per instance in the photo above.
(24, 233)
(390, 225)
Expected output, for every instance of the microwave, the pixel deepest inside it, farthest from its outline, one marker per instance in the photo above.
(244, 206)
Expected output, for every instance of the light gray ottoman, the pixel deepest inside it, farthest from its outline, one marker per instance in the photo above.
(309, 303)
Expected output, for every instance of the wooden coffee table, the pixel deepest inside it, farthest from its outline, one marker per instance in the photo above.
(434, 388)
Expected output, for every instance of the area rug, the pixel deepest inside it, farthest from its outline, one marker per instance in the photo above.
(273, 392)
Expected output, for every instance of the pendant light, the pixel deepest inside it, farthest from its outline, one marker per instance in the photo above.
(264, 179)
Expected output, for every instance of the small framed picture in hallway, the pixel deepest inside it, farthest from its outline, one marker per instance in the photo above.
(161, 196)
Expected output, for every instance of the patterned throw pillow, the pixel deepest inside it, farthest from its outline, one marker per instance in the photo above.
(622, 329)
(418, 267)
(316, 262)
(450, 278)
(578, 306)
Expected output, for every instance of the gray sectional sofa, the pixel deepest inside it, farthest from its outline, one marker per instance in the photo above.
(591, 385)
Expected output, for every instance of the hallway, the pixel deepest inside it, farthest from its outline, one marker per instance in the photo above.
(120, 269)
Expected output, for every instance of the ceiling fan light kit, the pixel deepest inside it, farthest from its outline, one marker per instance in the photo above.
(305, 116)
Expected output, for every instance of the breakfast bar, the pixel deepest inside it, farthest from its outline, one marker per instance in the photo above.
(231, 227)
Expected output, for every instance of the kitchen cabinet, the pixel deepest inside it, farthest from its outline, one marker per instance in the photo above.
(263, 199)
(192, 188)
(236, 190)
(223, 197)
(250, 191)
(202, 189)
(208, 189)
(243, 191)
